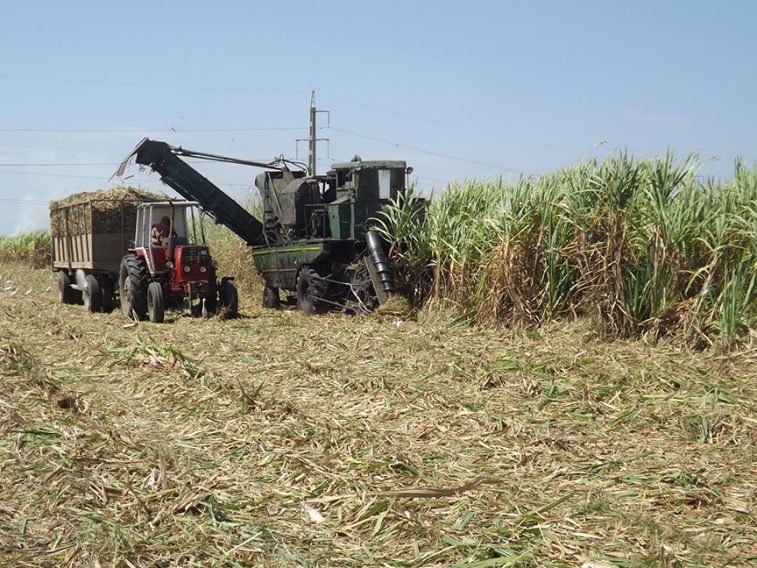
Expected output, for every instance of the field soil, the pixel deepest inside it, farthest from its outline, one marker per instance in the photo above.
(279, 439)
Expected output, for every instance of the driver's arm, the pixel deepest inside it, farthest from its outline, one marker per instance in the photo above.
(156, 238)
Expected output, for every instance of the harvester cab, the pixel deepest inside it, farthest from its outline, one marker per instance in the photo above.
(337, 205)
(170, 263)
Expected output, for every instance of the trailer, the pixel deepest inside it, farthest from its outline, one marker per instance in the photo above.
(89, 239)
(110, 245)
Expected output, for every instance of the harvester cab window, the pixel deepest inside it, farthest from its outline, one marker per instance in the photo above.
(385, 184)
(379, 184)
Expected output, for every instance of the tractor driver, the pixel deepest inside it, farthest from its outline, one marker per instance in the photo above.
(160, 232)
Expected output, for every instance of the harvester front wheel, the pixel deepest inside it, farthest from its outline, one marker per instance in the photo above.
(270, 297)
(132, 284)
(155, 305)
(311, 290)
(91, 294)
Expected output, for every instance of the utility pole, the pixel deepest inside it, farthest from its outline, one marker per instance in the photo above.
(313, 139)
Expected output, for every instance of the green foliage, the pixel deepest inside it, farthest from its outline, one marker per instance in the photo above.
(33, 248)
(643, 244)
(232, 254)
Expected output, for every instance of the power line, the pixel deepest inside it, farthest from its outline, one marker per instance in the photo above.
(444, 181)
(104, 179)
(499, 134)
(41, 165)
(85, 164)
(30, 201)
(47, 174)
(141, 130)
(429, 152)
(151, 85)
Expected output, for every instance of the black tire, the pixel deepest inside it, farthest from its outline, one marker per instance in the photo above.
(106, 294)
(311, 289)
(271, 297)
(211, 302)
(65, 292)
(132, 286)
(91, 294)
(156, 309)
(361, 295)
(229, 298)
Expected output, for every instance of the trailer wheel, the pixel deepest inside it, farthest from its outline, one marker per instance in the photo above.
(132, 284)
(106, 294)
(155, 306)
(311, 289)
(65, 292)
(91, 294)
(229, 298)
(270, 297)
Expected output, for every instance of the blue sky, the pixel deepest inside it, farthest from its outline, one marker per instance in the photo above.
(458, 89)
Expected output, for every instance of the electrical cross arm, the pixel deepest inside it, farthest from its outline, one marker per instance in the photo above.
(190, 184)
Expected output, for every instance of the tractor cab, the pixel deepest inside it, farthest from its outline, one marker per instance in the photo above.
(171, 239)
(170, 263)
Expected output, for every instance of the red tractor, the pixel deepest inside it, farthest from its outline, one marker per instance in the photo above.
(171, 263)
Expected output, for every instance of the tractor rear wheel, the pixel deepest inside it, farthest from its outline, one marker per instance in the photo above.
(132, 284)
(229, 298)
(155, 306)
(311, 291)
(65, 292)
(270, 297)
(91, 294)
(106, 294)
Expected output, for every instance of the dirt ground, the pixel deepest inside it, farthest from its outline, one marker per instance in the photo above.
(279, 439)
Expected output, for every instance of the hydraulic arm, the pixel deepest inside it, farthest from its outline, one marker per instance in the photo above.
(192, 185)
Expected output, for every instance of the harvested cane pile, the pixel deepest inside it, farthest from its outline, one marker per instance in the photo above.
(72, 214)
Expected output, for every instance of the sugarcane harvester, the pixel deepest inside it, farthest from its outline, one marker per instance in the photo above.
(315, 241)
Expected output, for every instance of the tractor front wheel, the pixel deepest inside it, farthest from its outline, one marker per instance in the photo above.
(211, 302)
(132, 284)
(155, 305)
(311, 291)
(229, 298)
(106, 294)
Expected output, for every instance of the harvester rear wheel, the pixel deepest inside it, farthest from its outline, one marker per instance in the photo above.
(311, 290)
(271, 297)
(132, 283)
(91, 294)
(65, 292)
(155, 305)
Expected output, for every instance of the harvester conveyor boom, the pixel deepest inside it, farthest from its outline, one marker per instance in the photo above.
(192, 185)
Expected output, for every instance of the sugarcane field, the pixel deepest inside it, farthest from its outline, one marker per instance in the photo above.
(348, 311)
